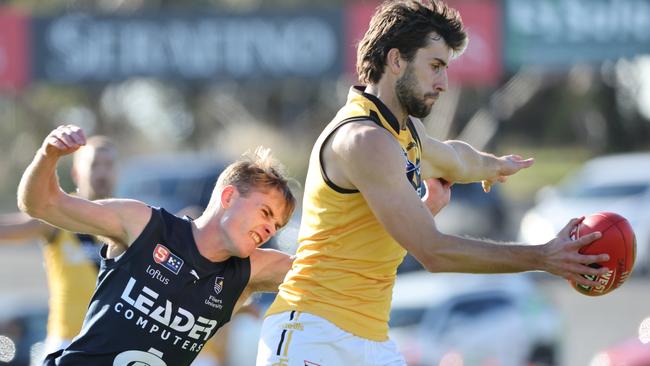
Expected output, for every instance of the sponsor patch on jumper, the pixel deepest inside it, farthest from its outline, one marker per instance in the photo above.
(167, 259)
(218, 284)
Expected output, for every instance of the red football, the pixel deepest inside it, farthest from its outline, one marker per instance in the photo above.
(618, 241)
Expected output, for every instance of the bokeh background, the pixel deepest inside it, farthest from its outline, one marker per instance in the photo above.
(562, 81)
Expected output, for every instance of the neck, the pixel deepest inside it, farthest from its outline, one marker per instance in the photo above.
(209, 239)
(386, 93)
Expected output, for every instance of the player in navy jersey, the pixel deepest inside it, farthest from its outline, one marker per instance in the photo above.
(166, 284)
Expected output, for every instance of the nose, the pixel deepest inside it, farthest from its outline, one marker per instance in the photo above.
(443, 83)
(269, 230)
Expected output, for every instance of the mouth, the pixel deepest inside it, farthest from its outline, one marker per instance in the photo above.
(432, 96)
(256, 238)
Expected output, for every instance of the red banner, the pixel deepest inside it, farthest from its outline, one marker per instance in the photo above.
(14, 60)
(481, 63)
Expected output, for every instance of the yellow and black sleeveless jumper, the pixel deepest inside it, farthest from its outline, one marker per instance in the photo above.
(71, 266)
(346, 263)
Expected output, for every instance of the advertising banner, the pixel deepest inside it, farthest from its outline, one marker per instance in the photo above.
(558, 33)
(14, 59)
(84, 48)
(480, 65)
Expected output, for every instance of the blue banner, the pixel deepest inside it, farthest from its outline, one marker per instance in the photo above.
(87, 48)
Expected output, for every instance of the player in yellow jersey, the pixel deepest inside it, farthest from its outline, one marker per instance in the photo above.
(362, 206)
(71, 260)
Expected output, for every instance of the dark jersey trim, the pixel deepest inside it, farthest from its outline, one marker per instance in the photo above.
(284, 332)
(374, 117)
(414, 133)
(326, 179)
(383, 109)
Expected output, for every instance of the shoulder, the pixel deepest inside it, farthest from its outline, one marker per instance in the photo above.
(133, 215)
(362, 137)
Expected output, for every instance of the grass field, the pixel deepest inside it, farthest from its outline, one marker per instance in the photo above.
(551, 165)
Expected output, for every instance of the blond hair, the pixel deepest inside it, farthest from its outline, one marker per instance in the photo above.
(256, 170)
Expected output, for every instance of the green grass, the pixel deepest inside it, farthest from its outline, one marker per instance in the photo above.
(551, 165)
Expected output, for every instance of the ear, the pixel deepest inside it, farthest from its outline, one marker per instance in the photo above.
(394, 61)
(228, 195)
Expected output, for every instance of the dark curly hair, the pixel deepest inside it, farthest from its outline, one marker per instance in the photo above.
(405, 25)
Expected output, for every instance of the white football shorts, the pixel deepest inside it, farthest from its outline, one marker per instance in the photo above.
(294, 338)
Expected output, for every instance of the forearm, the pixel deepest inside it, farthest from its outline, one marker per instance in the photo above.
(455, 254)
(20, 228)
(475, 165)
(39, 185)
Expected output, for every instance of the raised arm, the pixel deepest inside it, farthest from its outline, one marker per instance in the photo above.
(459, 162)
(20, 228)
(40, 196)
(372, 161)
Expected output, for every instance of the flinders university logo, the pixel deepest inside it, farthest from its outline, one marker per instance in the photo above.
(167, 259)
(218, 284)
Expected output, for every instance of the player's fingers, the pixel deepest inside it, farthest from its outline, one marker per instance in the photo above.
(581, 280)
(56, 143)
(77, 135)
(568, 228)
(70, 135)
(586, 269)
(68, 140)
(528, 162)
(444, 182)
(593, 258)
(586, 239)
(487, 185)
(78, 131)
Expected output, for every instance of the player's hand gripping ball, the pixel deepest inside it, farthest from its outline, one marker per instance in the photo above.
(618, 241)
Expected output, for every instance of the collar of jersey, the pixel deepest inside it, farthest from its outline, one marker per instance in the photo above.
(383, 109)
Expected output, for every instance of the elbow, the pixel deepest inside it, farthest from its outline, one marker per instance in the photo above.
(461, 174)
(432, 265)
(427, 259)
(439, 264)
(36, 208)
(24, 205)
(30, 209)
(435, 257)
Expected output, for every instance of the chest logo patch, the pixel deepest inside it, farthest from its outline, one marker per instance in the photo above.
(218, 284)
(167, 259)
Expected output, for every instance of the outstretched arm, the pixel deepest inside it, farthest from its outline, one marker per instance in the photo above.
(372, 161)
(458, 161)
(40, 196)
(20, 228)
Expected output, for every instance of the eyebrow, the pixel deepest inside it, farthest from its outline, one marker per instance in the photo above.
(272, 215)
(441, 61)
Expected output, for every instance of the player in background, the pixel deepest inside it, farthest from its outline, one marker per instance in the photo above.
(166, 284)
(362, 208)
(71, 260)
